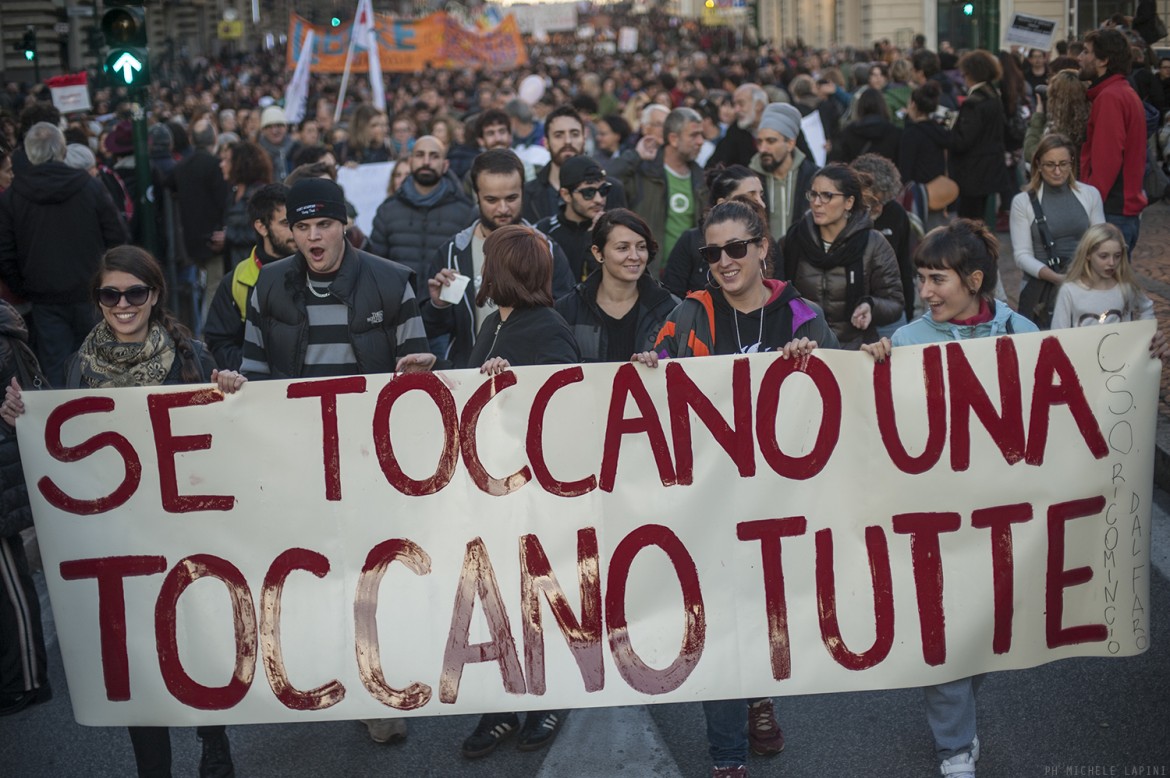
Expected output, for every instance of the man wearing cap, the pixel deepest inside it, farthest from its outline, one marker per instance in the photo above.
(583, 192)
(275, 139)
(426, 211)
(329, 309)
(55, 224)
(669, 191)
(786, 171)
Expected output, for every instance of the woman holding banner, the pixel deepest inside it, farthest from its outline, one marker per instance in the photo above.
(957, 269)
(619, 308)
(741, 311)
(523, 330)
(139, 343)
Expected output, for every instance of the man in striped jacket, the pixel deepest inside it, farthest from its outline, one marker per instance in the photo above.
(331, 310)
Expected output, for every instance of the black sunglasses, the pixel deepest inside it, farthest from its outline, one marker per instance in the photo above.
(736, 249)
(589, 192)
(135, 295)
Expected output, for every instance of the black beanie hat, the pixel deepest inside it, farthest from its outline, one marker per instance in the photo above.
(315, 198)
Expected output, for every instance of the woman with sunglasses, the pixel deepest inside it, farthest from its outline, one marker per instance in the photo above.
(741, 311)
(836, 258)
(1053, 206)
(619, 309)
(685, 269)
(139, 343)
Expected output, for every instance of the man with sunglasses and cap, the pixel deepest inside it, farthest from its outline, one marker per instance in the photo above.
(583, 192)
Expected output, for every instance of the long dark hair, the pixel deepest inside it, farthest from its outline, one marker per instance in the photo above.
(139, 263)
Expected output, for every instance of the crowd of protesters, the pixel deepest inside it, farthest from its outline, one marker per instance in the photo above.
(657, 205)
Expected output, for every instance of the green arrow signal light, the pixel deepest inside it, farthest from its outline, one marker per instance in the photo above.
(335, 22)
(968, 9)
(127, 65)
(30, 55)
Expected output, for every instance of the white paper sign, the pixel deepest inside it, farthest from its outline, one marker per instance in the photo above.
(1033, 32)
(814, 135)
(365, 186)
(576, 536)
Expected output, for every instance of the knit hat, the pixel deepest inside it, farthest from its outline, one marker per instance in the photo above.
(121, 140)
(79, 157)
(782, 118)
(579, 169)
(315, 198)
(273, 114)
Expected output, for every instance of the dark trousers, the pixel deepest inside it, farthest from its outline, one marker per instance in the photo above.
(23, 663)
(152, 748)
(973, 207)
(60, 329)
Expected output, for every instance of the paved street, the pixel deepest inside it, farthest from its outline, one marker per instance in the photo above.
(1107, 715)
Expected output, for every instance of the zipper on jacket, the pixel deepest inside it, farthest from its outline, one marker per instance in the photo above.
(495, 337)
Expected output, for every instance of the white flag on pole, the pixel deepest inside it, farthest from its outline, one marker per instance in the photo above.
(298, 89)
(365, 36)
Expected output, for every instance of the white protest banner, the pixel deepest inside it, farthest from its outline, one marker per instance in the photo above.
(627, 42)
(574, 536)
(1034, 32)
(365, 187)
(546, 17)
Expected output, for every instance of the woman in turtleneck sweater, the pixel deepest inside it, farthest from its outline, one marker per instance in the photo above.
(1069, 208)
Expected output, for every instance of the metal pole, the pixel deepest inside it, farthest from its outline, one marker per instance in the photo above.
(144, 206)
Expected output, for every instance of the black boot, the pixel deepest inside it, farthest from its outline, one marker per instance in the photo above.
(216, 761)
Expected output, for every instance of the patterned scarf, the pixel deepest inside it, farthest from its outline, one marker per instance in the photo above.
(108, 363)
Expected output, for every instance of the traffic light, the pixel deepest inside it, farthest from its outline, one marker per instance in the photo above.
(28, 44)
(968, 9)
(335, 21)
(124, 28)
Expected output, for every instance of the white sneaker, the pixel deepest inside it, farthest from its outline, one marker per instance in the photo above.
(386, 730)
(959, 766)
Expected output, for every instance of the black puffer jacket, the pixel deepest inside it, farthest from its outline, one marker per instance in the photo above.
(55, 224)
(859, 267)
(410, 234)
(579, 308)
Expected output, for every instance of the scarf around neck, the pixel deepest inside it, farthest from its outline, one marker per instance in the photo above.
(108, 363)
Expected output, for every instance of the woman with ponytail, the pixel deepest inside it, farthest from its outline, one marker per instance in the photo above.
(139, 343)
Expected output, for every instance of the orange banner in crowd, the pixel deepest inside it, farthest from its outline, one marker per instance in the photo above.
(408, 45)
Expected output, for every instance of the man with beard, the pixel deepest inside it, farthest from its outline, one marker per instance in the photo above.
(739, 144)
(424, 213)
(583, 192)
(1113, 158)
(669, 190)
(224, 331)
(493, 130)
(498, 176)
(786, 171)
(565, 134)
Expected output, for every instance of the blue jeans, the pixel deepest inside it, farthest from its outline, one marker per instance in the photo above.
(727, 734)
(1129, 226)
(950, 711)
(60, 330)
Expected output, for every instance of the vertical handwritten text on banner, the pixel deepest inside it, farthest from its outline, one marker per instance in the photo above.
(596, 535)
